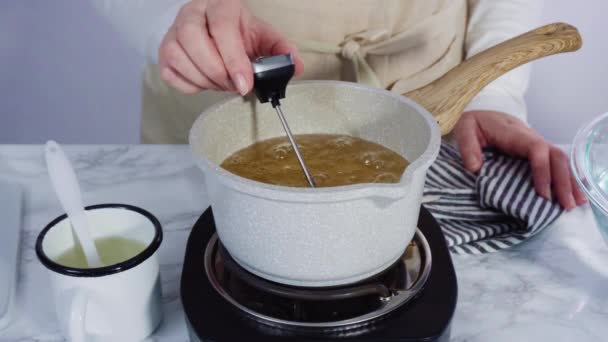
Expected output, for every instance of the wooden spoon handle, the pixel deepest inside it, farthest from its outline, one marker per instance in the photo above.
(447, 96)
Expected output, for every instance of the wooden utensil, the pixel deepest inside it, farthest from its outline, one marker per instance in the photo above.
(447, 96)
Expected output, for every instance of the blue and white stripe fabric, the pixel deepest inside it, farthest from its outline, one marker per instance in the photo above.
(495, 209)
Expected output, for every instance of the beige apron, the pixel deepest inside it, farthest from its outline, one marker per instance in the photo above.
(399, 45)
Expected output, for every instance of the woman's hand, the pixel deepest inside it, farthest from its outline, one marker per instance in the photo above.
(549, 164)
(210, 46)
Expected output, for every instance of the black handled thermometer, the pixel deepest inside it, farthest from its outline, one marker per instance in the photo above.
(270, 78)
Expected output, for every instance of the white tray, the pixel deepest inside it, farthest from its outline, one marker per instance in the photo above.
(10, 231)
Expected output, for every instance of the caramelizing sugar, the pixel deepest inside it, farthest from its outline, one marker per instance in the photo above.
(333, 160)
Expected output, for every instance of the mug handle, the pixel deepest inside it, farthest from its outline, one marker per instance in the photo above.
(78, 310)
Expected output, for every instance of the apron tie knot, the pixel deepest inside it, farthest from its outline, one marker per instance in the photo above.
(356, 43)
(354, 48)
(350, 48)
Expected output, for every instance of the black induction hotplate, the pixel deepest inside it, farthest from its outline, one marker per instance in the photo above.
(427, 317)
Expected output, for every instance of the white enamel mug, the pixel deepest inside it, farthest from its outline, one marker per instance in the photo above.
(119, 302)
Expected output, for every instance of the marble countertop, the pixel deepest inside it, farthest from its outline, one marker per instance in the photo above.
(552, 288)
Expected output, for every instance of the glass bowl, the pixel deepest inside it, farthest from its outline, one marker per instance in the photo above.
(589, 163)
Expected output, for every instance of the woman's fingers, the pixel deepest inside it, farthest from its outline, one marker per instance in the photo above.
(175, 80)
(579, 195)
(181, 62)
(540, 164)
(193, 37)
(223, 21)
(210, 44)
(467, 138)
(172, 56)
(549, 164)
(562, 180)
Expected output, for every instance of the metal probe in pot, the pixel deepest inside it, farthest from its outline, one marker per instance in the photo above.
(271, 75)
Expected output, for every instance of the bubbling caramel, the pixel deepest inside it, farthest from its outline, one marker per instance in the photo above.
(333, 160)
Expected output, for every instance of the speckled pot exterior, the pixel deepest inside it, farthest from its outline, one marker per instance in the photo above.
(324, 236)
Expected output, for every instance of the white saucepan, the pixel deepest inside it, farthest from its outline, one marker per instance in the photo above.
(334, 236)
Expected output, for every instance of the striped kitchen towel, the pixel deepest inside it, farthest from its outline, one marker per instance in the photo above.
(495, 209)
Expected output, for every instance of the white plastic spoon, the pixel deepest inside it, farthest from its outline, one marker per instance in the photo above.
(67, 190)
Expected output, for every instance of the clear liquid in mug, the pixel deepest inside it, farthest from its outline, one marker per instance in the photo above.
(112, 250)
